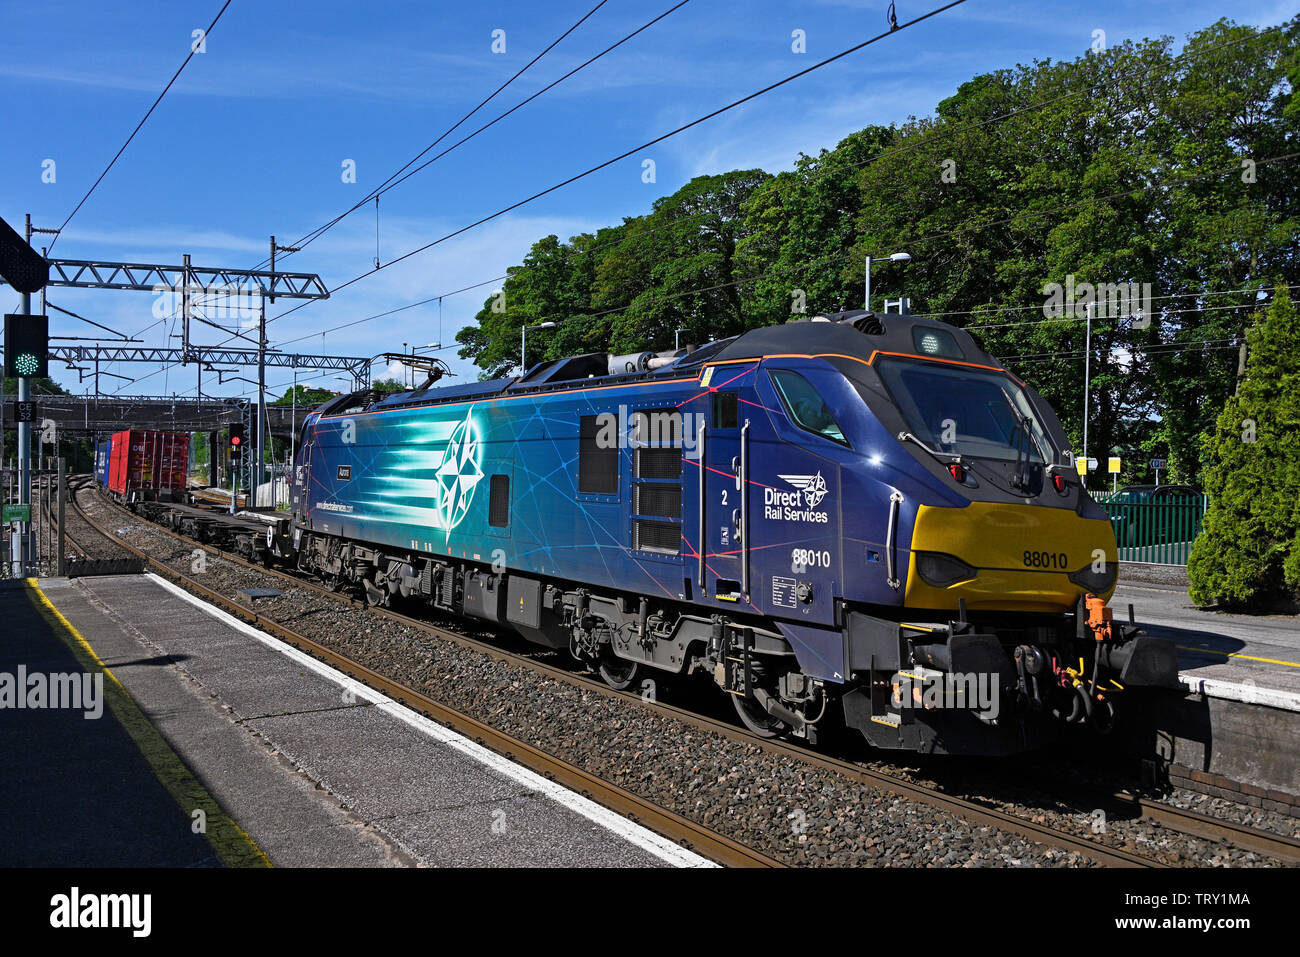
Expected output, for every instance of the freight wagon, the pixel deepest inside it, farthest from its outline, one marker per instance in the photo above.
(148, 465)
(101, 460)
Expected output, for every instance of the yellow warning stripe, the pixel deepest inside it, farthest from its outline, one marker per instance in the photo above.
(231, 843)
(1234, 654)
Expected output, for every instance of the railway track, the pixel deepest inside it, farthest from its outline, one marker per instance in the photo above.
(974, 812)
(717, 847)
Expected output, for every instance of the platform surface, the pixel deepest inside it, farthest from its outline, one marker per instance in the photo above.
(1259, 652)
(78, 790)
(314, 774)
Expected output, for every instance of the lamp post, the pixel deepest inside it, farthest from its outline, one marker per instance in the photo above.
(1087, 383)
(893, 258)
(523, 343)
(677, 339)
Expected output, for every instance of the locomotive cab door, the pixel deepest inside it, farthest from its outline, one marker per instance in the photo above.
(720, 563)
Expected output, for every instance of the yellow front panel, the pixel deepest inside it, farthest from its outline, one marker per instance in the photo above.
(1024, 554)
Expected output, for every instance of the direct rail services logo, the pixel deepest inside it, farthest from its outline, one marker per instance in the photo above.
(37, 690)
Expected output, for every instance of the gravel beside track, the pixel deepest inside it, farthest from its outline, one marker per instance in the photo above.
(784, 806)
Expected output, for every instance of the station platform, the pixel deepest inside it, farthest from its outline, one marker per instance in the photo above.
(1236, 732)
(290, 762)
(1252, 658)
(87, 780)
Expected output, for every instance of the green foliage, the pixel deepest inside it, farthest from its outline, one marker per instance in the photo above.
(388, 386)
(39, 387)
(628, 287)
(308, 397)
(1250, 548)
(1129, 165)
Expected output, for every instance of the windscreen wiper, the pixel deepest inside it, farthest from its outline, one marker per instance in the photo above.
(941, 456)
(1023, 446)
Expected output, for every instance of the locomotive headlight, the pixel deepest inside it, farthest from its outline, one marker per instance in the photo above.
(935, 342)
(1096, 581)
(941, 570)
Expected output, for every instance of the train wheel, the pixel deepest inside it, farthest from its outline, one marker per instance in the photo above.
(751, 712)
(618, 673)
(756, 719)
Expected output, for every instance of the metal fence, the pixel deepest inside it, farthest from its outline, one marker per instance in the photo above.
(41, 551)
(1158, 532)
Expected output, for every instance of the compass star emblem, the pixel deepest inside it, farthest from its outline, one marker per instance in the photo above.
(813, 487)
(458, 474)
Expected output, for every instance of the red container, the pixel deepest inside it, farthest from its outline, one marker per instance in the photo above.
(143, 463)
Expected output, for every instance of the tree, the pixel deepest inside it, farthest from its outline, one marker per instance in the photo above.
(308, 397)
(1249, 550)
(676, 268)
(801, 231)
(1129, 165)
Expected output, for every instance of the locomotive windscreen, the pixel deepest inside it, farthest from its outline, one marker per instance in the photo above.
(962, 410)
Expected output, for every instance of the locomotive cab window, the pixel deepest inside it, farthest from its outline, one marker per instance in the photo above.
(726, 410)
(966, 411)
(804, 406)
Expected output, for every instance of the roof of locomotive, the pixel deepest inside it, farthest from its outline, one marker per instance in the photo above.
(836, 334)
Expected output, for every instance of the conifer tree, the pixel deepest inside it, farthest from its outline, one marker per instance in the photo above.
(1249, 551)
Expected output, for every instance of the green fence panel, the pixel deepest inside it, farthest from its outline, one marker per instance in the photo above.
(1158, 533)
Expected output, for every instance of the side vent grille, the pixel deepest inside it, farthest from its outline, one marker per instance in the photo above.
(656, 489)
(652, 536)
(654, 499)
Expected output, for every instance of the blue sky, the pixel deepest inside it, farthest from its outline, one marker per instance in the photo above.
(251, 139)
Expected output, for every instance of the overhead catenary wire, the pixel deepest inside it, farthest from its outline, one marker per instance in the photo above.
(402, 174)
(923, 141)
(398, 177)
(659, 139)
(636, 149)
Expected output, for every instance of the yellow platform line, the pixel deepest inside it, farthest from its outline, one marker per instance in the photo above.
(231, 843)
(1234, 654)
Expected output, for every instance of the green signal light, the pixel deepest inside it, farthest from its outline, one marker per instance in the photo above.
(26, 364)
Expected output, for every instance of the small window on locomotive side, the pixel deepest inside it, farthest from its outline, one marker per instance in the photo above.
(597, 466)
(499, 501)
(726, 410)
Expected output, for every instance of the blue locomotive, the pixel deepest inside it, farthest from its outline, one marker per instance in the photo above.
(859, 516)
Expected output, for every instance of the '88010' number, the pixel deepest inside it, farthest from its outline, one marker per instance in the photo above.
(1045, 559)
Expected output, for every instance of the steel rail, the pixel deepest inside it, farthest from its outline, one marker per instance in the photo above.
(705, 841)
(1187, 822)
